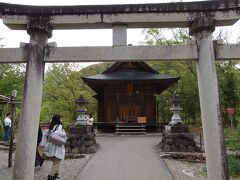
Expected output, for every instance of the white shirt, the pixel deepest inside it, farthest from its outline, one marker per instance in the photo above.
(7, 122)
(52, 149)
(90, 121)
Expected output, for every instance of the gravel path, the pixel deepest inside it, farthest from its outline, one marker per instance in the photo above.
(69, 168)
(185, 170)
(126, 158)
(72, 169)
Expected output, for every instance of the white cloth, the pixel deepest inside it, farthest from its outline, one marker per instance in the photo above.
(51, 149)
(90, 121)
(7, 122)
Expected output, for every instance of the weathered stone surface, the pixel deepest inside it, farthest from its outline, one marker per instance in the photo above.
(68, 143)
(191, 149)
(88, 143)
(179, 135)
(169, 141)
(80, 142)
(91, 149)
(40, 24)
(174, 148)
(75, 150)
(183, 148)
(178, 142)
(202, 23)
(68, 149)
(77, 130)
(167, 148)
(74, 143)
(83, 150)
(177, 129)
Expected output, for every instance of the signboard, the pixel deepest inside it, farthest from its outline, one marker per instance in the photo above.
(230, 111)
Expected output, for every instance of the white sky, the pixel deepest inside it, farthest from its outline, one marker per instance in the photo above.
(75, 37)
(12, 38)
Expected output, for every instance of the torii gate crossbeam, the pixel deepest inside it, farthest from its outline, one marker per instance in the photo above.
(200, 17)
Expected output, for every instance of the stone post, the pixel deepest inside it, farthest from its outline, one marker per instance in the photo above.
(202, 28)
(39, 29)
(119, 35)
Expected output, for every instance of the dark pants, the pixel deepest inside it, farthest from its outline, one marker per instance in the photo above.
(90, 128)
(38, 160)
(7, 132)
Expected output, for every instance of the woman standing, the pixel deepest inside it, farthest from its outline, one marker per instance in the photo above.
(55, 152)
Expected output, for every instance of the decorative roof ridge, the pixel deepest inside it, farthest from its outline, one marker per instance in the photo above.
(117, 65)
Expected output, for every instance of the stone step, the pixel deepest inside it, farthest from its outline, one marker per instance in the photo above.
(129, 133)
(128, 129)
(130, 126)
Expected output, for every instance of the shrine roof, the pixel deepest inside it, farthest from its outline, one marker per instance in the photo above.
(129, 76)
(135, 72)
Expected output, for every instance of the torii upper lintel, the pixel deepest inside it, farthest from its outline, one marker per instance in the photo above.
(168, 15)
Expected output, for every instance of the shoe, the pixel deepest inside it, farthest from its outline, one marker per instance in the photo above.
(37, 164)
(50, 177)
(5, 144)
(41, 163)
(56, 176)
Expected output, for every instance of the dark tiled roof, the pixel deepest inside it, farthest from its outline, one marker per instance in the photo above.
(129, 75)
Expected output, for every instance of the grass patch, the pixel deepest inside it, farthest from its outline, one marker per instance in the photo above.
(233, 166)
(232, 138)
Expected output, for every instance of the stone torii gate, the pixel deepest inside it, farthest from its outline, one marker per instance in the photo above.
(200, 17)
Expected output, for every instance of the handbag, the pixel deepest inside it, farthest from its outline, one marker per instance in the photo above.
(55, 138)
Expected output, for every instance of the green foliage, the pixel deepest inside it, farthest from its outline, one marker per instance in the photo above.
(229, 89)
(228, 77)
(1, 130)
(232, 138)
(11, 78)
(63, 85)
(186, 86)
(233, 165)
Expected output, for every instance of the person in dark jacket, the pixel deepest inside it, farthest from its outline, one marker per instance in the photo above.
(39, 160)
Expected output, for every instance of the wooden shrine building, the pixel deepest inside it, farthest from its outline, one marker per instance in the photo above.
(126, 93)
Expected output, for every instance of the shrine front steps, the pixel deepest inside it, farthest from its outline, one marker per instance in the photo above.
(130, 129)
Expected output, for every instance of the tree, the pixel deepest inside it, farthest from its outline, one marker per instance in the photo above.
(186, 86)
(228, 75)
(11, 78)
(63, 85)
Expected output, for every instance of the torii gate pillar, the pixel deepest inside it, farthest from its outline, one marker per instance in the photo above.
(39, 30)
(215, 150)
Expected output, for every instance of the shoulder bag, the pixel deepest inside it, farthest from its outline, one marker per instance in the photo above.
(55, 138)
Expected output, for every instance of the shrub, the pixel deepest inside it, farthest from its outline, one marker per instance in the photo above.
(233, 165)
(232, 137)
(1, 131)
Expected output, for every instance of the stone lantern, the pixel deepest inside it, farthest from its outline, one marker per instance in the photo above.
(80, 139)
(176, 136)
(175, 101)
(82, 118)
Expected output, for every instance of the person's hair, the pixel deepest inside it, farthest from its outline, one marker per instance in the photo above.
(8, 114)
(56, 119)
(90, 115)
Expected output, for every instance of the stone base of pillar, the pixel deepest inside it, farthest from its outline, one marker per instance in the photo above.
(178, 139)
(81, 140)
